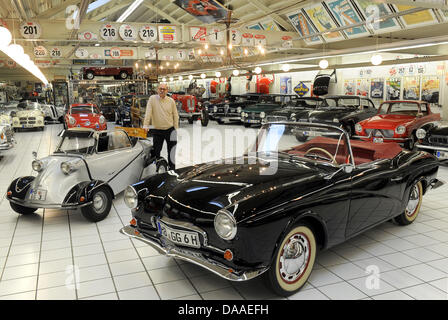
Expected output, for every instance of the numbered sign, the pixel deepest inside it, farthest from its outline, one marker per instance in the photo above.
(181, 55)
(95, 56)
(40, 51)
(148, 33)
(109, 32)
(30, 30)
(11, 64)
(198, 34)
(191, 55)
(87, 36)
(260, 40)
(81, 53)
(127, 32)
(150, 54)
(235, 37)
(167, 34)
(216, 36)
(55, 52)
(248, 39)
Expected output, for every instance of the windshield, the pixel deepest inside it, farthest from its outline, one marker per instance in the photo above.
(303, 103)
(405, 108)
(341, 102)
(83, 109)
(310, 142)
(76, 144)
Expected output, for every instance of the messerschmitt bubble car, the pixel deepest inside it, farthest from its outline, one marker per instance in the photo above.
(86, 171)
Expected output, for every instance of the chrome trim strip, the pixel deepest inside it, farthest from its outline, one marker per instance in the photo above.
(47, 206)
(421, 146)
(175, 252)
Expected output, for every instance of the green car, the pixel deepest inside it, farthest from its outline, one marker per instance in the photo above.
(254, 114)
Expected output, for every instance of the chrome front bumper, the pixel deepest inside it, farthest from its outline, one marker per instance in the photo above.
(421, 146)
(43, 205)
(6, 146)
(192, 257)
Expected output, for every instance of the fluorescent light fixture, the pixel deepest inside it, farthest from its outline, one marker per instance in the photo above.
(377, 59)
(129, 10)
(96, 4)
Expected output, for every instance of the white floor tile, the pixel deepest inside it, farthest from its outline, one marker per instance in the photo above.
(423, 254)
(209, 283)
(222, 294)
(30, 295)
(126, 267)
(157, 262)
(425, 272)
(440, 264)
(175, 289)
(371, 285)
(347, 271)
(108, 296)
(329, 258)
(441, 284)
(93, 273)
(27, 270)
(394, 295)
(323, 277)
(143, 293)
(400, 279)
(55, 266)
(95, 288)
(342, 291)
(425, 292)
(162, 275)
(399, 260)
(57, 293)
(121, 255)
(17, 285)
(132, 281)
(310, 294)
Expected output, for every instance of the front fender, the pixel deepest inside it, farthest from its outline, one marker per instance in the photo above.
(20, 186)
(84, 189)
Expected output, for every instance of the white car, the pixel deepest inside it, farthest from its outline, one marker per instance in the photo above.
(86, 171)
(28, 115)
(377, 93)
(6, 132)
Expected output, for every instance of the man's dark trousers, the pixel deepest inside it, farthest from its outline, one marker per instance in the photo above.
(170, 136)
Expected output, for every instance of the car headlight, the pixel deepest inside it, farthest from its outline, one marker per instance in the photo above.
(102, 120)
(67, 167)
(215, 109)
(358, 127)
(400, 130)
(239, 109)
(130, 197)
(421, 133)
(72, 121)
(13, 114)
(39, 122)
(336, 120)
(225, 225)
(37, 165)
(262, 114)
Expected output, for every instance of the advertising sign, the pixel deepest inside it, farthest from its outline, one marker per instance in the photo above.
(411, 88)
(417, 19)
(430, 89)
(255, 26)
(168, 33)
(377, 89)
(323, 22)
(285, 84)
(148, 33)
(127, 32)
(393, 88)
(30, 30)
(373, 13)
(269, 25)
(198, 34)
(301, 89)
(209, 11)
(362, 87)
(345, 15)
(349, 87)
(303, 27)
(216, 36)
(87, 36)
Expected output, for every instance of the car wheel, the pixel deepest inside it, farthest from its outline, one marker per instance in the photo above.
(413, 206)
(100, 207)
(293, 261)
(410, 144)
(161, 166)
(220, 121)
(123, 75)
(90, 75)
(21, 209)
(204, 118)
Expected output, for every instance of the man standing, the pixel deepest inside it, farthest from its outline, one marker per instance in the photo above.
(161, 113)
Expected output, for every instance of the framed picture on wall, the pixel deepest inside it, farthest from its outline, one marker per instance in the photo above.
(377, 89)
(393, 89)
(411, 88)
(430, 89)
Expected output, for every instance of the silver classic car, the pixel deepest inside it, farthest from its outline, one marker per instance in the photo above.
(86, 171)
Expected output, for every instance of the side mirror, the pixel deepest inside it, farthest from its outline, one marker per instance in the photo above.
(34, 153)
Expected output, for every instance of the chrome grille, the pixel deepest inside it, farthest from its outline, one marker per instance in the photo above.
(439, 140)
(31, 118)
(380, 132)
(23, 118)
(276, 118)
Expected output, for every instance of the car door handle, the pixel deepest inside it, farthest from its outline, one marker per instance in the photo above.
(396, 179)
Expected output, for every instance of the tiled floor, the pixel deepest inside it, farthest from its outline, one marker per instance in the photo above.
(59, 255)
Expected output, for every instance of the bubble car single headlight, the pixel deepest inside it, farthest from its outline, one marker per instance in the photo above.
(262, 114)
(37, 165)
(130, 197)
(421, 133)
(225, 225)
(400, 130)
(358, 127)
(72, 121)
(67, 167)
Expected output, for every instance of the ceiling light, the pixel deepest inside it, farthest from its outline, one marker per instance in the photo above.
(5, 37)
(97, 44)
(167, 64)
(146, 67)
(206, 46)
(163, 79)
(129, 10)
(203, 76)
(171, 79)
(136, 65)
(286, 67)
(149, 65)
(16, 50)
(246, 52)
(377, 59)
(230, 46)
(161, 67)
(257, 70)
(199, 51)
(235, 72)
(217, 74)
(221, 52)
(190, 77)
(323, 64)
(180, 78)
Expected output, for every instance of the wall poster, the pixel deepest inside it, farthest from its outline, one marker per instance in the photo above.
(303, 27)
(377, 89)
(430, 89)
(371, 9)
(285, 84)
(393, 88)
(362, 87)
(349, 87)
(417, 19)
(323, 22)
(209, 11)
(411, 88)
(345, 15)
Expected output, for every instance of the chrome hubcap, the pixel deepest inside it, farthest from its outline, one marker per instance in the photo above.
(294, 258)
(162, 169)
(99, 202)
(414, 199)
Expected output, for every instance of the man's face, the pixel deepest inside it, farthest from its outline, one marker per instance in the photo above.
(162, 90)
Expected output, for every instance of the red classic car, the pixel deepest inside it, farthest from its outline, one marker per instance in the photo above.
(85, 116)
(119, 73)
(396, 121)
(201, 8)
(189, 108)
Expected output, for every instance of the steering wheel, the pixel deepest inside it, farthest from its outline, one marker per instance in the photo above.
(333, 160)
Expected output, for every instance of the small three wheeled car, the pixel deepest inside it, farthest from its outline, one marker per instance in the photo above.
(86, 171)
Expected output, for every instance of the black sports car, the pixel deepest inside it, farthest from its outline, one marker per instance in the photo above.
(270, 211)
(343, 111)
(230, 109)
(109, 108)
(434, 139)
(296, 108)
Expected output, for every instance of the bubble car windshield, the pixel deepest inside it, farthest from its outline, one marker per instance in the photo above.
(313, 142)
(77, 142)
(83, 109)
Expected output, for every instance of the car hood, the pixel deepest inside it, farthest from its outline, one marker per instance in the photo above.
(387, 121)
(262, 107)
(29, 113)
(5, 120)
(331, 113)
(205, 189)
(441, 131)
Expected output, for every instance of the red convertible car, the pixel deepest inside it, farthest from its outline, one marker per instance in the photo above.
(85, 116)
(119, 73)
(397, 121)
(189, 108)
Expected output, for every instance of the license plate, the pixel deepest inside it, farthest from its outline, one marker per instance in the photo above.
(378, 140)
(39, 194)
(442, 155)
(185, 238)
(306, 133)
(252, 121)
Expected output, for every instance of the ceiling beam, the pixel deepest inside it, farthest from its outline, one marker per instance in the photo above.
(441, 4)
(160, 12)
(257, 4)
(55, 10)
(108, 9)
